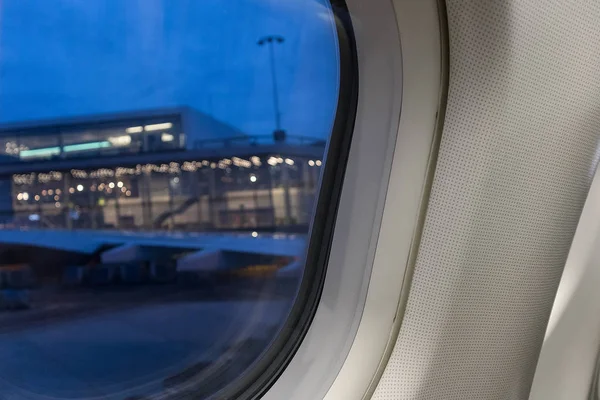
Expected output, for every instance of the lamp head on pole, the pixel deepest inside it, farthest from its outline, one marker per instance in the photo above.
(270, 39)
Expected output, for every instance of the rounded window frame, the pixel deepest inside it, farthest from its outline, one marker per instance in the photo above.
(256, 381)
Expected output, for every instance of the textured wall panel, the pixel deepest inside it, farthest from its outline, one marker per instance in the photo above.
(517, 156)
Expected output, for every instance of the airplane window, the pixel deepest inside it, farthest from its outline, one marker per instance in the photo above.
(165, 199)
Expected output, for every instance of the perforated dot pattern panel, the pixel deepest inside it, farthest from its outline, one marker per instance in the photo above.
(519, 147)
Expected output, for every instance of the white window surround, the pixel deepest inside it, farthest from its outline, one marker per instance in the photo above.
(386, 179)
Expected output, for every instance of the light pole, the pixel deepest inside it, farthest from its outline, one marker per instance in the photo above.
(270, 41)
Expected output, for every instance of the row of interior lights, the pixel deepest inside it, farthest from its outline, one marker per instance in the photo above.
(24, 196)
(80, 188)
(222, 164)
(111, 185)
(172, 167)
(273, 161)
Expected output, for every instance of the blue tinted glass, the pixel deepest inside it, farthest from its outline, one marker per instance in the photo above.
(159, 165)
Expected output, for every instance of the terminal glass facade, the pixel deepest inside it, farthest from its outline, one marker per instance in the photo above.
(260, 192)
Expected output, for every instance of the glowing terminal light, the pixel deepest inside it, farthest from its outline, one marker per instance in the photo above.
(256, 161)
(120, 141)
(253, 178)
(54, 151)
(86, 146)
(158, 127)
(167, 137)
(45, 152)
(240, 162)
(311, 163)
(80, 188)
(135, 129)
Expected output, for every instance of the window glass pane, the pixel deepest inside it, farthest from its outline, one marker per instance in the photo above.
(159, 168)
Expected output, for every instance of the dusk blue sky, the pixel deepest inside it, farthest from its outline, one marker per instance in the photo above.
(77, 57)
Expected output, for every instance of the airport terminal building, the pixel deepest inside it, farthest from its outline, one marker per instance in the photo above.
(168, 169)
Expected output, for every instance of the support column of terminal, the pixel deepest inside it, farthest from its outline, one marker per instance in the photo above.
(212, 194)
(118, 206)
(271, 200)
(195, 181)
(67, 200)
(285, 177)
(146, 195)
(93, 211)
(171, 203)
